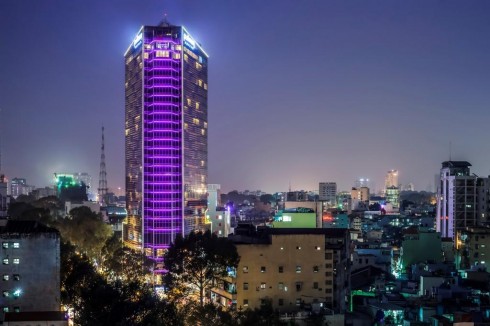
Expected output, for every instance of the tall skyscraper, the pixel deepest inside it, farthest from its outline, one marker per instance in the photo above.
(166, 83)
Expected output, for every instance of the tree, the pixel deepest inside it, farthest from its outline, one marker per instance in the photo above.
(86, 230)
(266, 198)
(197, 261)
(265, 315)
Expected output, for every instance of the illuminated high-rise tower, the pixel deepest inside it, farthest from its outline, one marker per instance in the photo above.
(166, 83)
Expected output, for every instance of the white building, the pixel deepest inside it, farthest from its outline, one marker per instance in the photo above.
(457, 198)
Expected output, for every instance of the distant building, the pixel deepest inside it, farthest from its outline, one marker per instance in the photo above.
(4, 198)
(328, 192)
(43, 192)
(219, 216)
(360, 198)
(300, 217)
(94, 206)
(473, 247)
(462, 199)
(393, 197)
(19, 186)
(391, 179)
(30, 267)
(292, 268)
(420, 245)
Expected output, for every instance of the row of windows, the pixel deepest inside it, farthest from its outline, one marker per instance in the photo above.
(7, 245)
(281, 286)
(7, 309)
(280, 302)
(15, 261)
(15, 277)
(263, 269)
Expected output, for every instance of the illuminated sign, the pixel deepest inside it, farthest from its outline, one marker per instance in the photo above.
(137, 40)
(189, 41)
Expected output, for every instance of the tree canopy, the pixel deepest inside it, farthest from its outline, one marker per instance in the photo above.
(197, 262)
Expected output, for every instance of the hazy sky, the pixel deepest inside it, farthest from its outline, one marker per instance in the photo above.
(299, 91)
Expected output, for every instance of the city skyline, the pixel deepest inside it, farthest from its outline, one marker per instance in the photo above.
(388, 87)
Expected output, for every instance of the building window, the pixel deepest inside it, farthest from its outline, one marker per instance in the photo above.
(298, 248)
(16, 309)
(315, 285)
(328, 266)
(298, 269)
(299, 286)
(298, 302)
(328, 290)
(5, 245)
(5, 261)
(315, 269)
(5, 309)
(281, 269)
(262, 286)
(245, 286)
(328, 256)
(281, 302)
(328, 273)
(16, 245)
(245, 302)
(6, 293)
(16, 261)
(5, 277)
(280, 286)
(245, 269)
(328, 282)
(16, 277)
(262, 269)
(318, 248)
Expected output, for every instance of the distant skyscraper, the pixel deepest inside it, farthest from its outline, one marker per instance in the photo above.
(19, 186)
(327, 191)
(391, 179)
(166, 82)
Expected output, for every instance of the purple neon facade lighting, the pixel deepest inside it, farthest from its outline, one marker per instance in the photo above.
(162, 142)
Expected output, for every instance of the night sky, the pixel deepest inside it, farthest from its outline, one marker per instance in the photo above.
(299, 91)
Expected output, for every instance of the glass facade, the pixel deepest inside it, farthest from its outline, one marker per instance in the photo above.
(166, 137)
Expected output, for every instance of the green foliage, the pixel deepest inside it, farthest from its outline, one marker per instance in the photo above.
(97, 301)
(86, 230)
(197, 262)
(265, 315)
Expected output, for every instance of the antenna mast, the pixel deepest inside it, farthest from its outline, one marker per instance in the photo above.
(102, 190)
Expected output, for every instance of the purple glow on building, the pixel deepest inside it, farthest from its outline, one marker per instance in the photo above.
(166, 139)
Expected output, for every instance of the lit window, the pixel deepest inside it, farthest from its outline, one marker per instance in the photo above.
(195, 121)
(203, 132)
(189, 102)
(280, 286)
(186, 126)
(5, 261)
(5, 309)
(5, 245)
(205, 86)
(16, 245)
(298, 247)
(298, 269)
(5, 277)
(245, 269)
(262, 286)
(146, 55)
(186, 57)
(17, 293)
(16, 309)
(178, 47)
(199, 82)
(16, 261)
(245, 302)
(198, 66)
(197, 105)
(6, 293)
(205, 124)
(176, 55)
(16, 277)
(162, 54)
(318, 248)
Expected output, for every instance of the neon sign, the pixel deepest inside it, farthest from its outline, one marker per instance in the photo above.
(189, 41)
(137, 40)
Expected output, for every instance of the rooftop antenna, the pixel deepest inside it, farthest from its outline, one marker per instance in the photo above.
(102, 191)
(164, 22)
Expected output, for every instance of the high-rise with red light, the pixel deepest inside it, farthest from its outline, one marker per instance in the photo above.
(166, 91)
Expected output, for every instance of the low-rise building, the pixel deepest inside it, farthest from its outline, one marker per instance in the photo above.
(290, 267)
